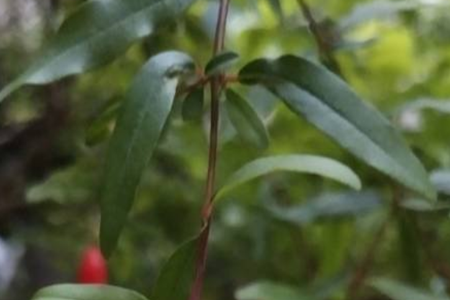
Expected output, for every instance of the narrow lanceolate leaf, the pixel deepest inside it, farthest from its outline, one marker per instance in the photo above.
(294, 163)
(221, 63)
(192, 108)
(139, 125)
(176, 278)
(266, 290)
(327, 102)
(97, 32)
(86, 292)
(399, 291)
(246, 121)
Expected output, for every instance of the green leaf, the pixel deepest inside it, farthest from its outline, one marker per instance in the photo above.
(246, 121)
(398, 291)
(221, 63)
(353, 45)
(327, 102)
(326, 206)
(192, 108)
(176, 278)
(294, 163)
(421, 205)
(86, 292)
(266, 290)
(139, 125)
(96, 33)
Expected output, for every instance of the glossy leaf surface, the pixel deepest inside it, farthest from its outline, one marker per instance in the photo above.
(294, 163)
(245, 120)
(139, 125)
(86, 292)
(96, 33)
(311, 91)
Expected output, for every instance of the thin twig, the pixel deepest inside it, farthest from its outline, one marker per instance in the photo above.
(433, 258)
(324, 47)
(204, 80)
(216, 87)
(364, 266)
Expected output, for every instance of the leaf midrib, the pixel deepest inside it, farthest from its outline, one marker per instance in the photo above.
(132, 143)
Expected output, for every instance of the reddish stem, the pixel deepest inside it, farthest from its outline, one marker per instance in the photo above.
(216, 88)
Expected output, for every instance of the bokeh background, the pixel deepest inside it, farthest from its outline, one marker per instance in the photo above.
(297, 232)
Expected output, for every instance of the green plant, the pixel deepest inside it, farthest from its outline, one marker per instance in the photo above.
(99, 31)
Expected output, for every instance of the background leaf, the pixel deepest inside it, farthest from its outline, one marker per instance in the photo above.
(398, 291)
(96, 33)
(442, 105)
(86, 292)
(441, 181)
(139, 125)
(421, 205)
(295, 163)
(246, 121)
(375, 10)
(327, 206)
(326, 101)
(266, 290)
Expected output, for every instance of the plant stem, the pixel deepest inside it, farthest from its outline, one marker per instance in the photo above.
(324, 46)
(216, 88)
(366, 263)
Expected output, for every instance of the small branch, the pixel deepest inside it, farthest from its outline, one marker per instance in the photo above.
(366, 262)
(216, 88)
(190, 88)
(324, 47)
(203, 80)
(434, 259)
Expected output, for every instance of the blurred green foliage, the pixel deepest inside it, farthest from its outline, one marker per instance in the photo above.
(285, 230)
